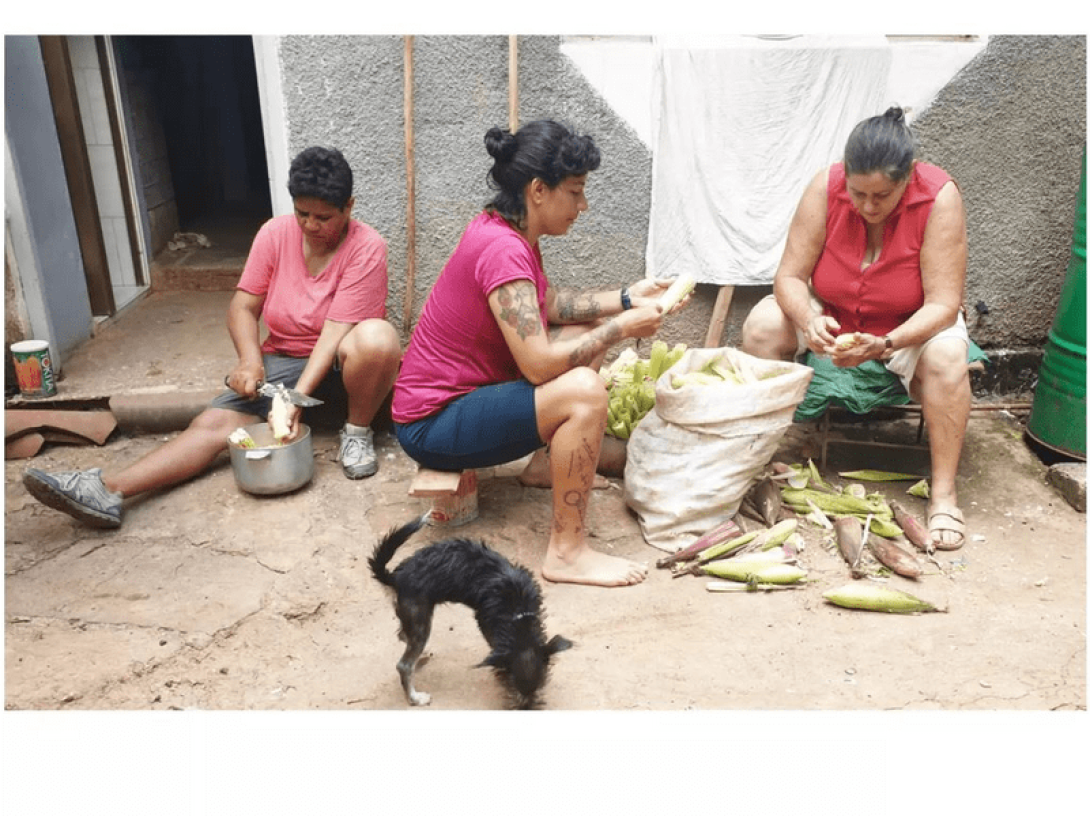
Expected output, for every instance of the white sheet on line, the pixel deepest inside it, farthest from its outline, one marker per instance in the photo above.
(741, 124)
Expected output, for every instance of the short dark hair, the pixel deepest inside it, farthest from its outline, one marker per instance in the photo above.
(881, 144)
(543, 149)
(322, 173)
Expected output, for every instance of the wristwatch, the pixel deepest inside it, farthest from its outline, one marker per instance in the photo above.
(626, 301)
(889, 342)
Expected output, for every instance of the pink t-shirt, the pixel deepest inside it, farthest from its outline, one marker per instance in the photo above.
(457, 345)
(350, 289)
(881, 297)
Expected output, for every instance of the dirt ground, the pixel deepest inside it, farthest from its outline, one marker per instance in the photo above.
(210, 598)
(212, 601)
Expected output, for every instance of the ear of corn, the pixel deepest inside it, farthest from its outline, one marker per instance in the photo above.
(849, 541)
(281, 427)
(847, 341)
(892, 556)
(754, 572)
(717, 535)
(913, 530)
(875, 598)
(682, 285)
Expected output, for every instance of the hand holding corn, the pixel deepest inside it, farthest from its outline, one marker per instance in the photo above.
(650, 292)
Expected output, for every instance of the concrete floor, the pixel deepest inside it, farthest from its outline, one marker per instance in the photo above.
(208, 598)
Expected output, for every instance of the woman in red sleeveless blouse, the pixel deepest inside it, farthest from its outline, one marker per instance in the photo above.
(877, 249)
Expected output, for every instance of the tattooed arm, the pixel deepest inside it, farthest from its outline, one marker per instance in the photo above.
(540, 358)
(565, 306)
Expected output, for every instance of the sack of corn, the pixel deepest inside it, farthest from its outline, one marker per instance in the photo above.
(697, 452)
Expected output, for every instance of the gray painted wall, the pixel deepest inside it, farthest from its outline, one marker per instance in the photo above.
(32, 136)
(1010, 128)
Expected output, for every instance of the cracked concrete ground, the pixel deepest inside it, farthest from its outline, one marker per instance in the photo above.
(210, 598)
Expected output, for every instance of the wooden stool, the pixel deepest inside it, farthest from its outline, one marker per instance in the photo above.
(453, 495)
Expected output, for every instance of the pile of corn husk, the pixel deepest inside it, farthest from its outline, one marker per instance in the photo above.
(630, 381)
(851, 519)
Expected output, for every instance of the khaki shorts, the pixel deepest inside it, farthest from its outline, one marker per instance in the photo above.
(903, 361)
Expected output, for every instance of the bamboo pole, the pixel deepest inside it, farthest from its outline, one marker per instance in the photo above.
(410, 182)
(513, 83)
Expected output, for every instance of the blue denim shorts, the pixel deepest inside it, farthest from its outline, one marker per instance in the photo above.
(490, 426)
(282, 369)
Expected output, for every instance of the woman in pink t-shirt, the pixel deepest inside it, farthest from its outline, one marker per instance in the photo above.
(877, 250)
(318, 278)
(502, 364)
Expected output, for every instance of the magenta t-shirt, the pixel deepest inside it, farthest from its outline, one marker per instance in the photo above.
(457, 346)
(350, 289)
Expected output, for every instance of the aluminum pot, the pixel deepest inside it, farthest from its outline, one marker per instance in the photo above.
(272, 468)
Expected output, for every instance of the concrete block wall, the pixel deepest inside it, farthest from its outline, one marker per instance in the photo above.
(1010, 127)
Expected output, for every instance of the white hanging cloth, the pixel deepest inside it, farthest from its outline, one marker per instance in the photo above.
(740, 126)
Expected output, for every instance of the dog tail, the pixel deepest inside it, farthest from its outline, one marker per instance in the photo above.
(385, 549)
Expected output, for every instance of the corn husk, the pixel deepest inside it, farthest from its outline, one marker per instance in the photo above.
(878, 476)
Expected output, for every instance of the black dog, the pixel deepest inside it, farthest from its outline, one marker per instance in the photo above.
(504, 596)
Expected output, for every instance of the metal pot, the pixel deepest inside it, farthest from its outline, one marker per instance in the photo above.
(272, 468)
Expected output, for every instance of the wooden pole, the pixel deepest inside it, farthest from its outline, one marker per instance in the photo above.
(513, 83)
(410, 181)
(719, 317)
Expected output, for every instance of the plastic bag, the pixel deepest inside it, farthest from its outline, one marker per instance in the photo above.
(693, 457)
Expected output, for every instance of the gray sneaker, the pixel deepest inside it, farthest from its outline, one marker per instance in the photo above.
(79, 493)
(357, 454)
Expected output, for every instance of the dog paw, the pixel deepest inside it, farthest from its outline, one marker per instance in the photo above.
(419, 698)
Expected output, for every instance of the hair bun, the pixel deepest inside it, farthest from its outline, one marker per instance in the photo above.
(896, 113)
(500, 144)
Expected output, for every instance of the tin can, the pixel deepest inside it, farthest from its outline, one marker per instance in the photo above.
(34, 368)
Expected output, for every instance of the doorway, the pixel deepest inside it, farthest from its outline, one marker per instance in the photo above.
(208, 169)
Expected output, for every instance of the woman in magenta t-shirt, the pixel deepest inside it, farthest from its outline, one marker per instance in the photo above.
(501, 364)
(877, 249)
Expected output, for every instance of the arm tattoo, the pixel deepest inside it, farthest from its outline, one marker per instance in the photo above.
(594, 343)
(577, 307)
(519, 308)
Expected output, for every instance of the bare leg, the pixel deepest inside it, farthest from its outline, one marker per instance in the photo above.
(185, 456)
(767, 333)
(369, 355)
(942, 384)
(538, 471)
(571, 413)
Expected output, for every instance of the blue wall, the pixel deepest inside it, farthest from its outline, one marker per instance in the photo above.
(36, 154)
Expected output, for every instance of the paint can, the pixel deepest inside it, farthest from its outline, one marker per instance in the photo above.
(34, 368)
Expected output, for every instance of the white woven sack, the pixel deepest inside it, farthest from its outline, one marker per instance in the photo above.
(693, 457)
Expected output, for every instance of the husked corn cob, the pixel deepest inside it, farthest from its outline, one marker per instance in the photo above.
(847, 341)
(676, 292)
(281, 428)
(875, 598)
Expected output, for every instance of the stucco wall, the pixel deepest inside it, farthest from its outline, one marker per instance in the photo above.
(1010, 127)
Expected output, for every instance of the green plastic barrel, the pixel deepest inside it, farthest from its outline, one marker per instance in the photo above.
(1058, 417)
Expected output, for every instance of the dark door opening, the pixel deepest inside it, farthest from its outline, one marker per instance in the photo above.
(205, 94)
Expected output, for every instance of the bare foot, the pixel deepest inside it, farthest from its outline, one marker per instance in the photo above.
(537, 473)
(592, 567)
